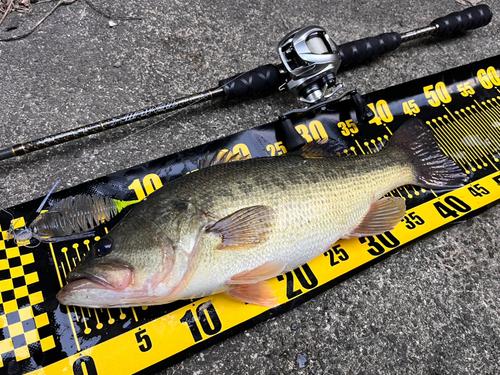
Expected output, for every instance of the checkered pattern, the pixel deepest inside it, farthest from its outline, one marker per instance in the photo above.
(20, 329)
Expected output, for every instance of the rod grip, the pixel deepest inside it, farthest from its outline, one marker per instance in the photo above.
(258, 80)
(355, 52)
(467, 19)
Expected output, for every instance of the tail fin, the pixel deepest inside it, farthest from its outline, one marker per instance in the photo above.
(432, 168)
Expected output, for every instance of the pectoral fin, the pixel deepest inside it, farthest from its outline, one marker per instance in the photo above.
(383, 216)
(261, 273)
(244, 228)
(259, 293)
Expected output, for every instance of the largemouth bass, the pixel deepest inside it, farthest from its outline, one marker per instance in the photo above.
(231, 226)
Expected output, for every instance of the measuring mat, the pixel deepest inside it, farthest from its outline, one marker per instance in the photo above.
(40, 336)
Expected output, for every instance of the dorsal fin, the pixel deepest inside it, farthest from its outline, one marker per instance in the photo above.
(222, 157)
(315, 150)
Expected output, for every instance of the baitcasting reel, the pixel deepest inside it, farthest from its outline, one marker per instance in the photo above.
(311, 60)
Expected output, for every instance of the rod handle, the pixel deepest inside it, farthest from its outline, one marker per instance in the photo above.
(258, 80)
(467, 19)
(357, 51)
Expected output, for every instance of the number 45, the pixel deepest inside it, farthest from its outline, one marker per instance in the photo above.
(410, 107)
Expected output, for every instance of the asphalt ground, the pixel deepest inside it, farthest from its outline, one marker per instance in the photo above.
(430, 309)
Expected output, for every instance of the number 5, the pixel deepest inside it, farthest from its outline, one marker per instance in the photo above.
(144, 340)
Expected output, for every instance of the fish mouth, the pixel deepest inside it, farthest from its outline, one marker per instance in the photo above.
(105, 275)
(79, 280)
(96, 285)
(96, 289)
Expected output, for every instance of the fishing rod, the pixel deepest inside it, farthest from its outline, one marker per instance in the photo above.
(310, 61)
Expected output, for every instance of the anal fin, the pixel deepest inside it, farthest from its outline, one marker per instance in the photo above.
(383, 216)
(259, 293)
(261, 273)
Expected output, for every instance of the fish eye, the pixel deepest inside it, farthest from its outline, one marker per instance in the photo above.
(103, 246)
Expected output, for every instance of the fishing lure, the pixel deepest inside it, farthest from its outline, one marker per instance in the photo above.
(71, 218)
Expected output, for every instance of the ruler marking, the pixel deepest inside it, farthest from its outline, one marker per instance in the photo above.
(475, 118)
(452, 129)
(55, 264)
(359, 146)
(68, 312)
(442, 141)
(486, 113)
(448, 130)
(367, 145)
(482, 118)
(446, 145)
(408, 194)
(482, 145)
(135, 315)
(466, 138)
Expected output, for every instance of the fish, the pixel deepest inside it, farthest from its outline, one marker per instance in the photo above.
(231, 226)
